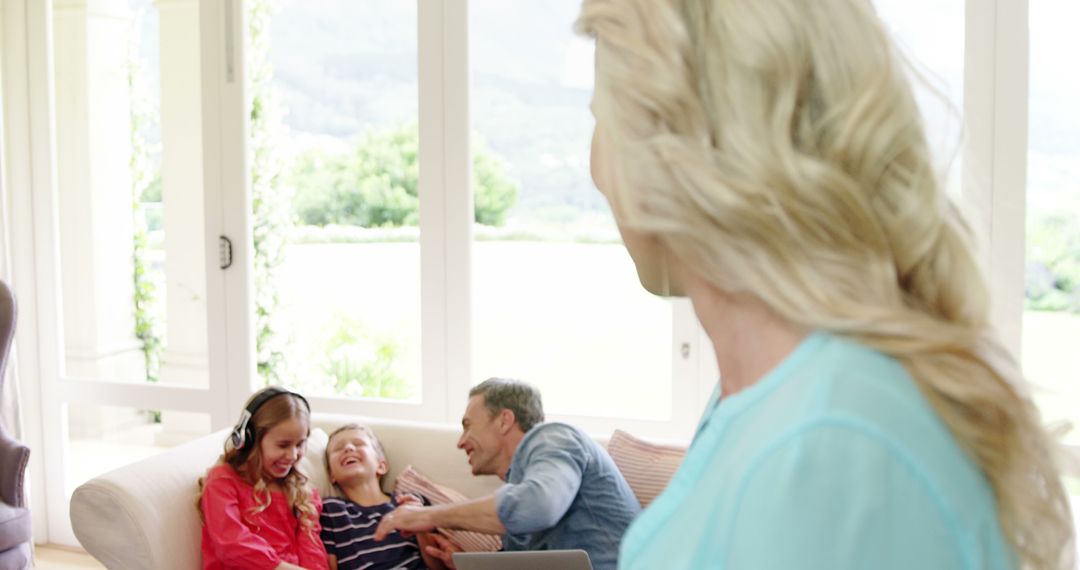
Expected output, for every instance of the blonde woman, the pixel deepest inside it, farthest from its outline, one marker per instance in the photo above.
(766, 159)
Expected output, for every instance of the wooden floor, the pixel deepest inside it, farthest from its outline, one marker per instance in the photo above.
(52, 557)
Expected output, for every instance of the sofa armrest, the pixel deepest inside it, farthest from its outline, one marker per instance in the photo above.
(144, 515)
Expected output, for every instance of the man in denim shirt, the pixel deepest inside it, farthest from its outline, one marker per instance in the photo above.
(562, 490)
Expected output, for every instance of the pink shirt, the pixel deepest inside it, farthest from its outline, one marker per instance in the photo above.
(232, 537)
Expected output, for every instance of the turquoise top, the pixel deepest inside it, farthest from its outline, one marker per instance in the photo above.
(832, 460)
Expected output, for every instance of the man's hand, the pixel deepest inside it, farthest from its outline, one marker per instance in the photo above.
(408, 499)
(407, 519)
(441, 548)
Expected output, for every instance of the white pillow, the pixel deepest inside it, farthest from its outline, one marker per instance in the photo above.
(314, 466)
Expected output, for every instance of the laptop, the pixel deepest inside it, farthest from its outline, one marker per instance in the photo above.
(525, 560)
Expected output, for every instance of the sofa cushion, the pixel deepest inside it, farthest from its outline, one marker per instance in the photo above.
(14, 526)
(314, 465)
(646, 466)
(412, 481)
(430, 448)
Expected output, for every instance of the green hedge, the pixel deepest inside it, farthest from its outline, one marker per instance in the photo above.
(376, 183)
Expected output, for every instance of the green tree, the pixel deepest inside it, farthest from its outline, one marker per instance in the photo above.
(376, 183)
(494, 193)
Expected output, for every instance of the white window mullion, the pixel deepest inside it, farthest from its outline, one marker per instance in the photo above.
(433, 239)
(458, 204)
(445, 207)
(691, 350)
(17, 171)
(90, 392)
(29, 97)
(227, 190)
(995, 163)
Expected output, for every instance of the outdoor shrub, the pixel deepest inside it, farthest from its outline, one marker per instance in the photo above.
(1052, 276)
(362, 364)
(376, 183)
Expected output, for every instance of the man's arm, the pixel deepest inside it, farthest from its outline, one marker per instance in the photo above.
(476, 515)
(553, 464)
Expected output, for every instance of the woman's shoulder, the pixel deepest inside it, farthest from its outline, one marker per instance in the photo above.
(843, 467)
(852, 406)
(871, 419)
(866, 389)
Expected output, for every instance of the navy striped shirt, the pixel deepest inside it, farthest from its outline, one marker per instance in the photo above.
(348, 530)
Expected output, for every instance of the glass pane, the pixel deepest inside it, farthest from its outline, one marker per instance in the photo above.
(334, 135)
(556, 297)
(128, 143)
(1052, 277)
(935, 46)
(151, 286)
(104, 438)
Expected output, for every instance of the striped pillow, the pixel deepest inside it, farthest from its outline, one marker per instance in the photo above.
(646, 466)
(412, 481)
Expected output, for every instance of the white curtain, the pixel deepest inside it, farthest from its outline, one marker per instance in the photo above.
(10, 411)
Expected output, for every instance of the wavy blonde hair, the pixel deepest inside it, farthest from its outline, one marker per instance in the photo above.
(247, 462)
(776, 142)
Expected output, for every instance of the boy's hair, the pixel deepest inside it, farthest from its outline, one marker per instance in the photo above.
(247, 460)
(375, 443)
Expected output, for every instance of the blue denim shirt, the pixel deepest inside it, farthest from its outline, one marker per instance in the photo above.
(563, 491)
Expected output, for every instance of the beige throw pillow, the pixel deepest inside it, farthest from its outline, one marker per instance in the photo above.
(314, 466)
(412, 481)
(646, 466)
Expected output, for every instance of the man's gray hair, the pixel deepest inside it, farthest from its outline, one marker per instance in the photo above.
(517, 396)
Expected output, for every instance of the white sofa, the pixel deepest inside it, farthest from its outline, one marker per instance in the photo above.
(143, 516)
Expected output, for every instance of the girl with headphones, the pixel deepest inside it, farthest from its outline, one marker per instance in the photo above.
(257, 508)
